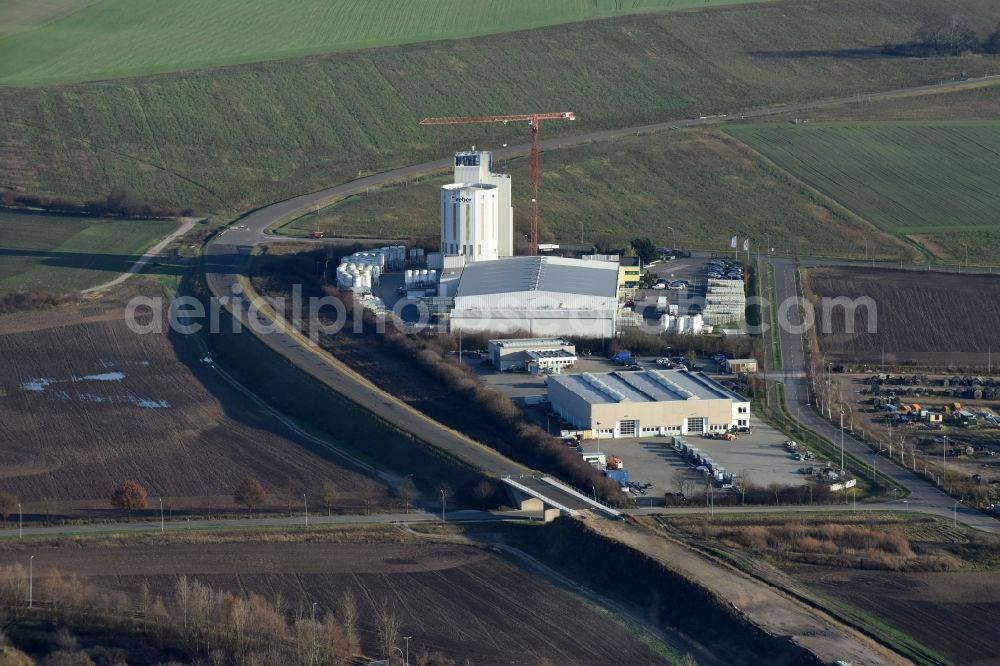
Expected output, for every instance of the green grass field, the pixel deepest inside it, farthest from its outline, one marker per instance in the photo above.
(230, 139)
(113, 38)
(909, 179)
(57, 254)
(23, 15)
(704, 184)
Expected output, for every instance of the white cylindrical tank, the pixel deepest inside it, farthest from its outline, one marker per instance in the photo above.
(433, 277)
(408, 277)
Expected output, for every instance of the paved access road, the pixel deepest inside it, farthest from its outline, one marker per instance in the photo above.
(315, 520)
(924, 496)
(227, 252)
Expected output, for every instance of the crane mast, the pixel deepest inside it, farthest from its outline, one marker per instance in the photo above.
(534, 119)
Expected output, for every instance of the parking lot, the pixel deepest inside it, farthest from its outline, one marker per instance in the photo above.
(689, 300)
(760, 455)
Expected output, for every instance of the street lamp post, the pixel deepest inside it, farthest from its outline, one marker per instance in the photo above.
(444, 517)
(944, 459)
(161, 516)
(954, 513)
(31, 581)
(399, 650)
(874, 458)
(20, 521)
(305, 503)
(841, 440)
(407, 659)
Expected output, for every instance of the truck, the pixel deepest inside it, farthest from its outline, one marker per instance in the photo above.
(316, 234)
(615, 462)
(532, 400)
(619, 475)
(623, 358)
(661, 304)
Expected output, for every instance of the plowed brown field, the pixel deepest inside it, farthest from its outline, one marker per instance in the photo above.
(931, 319)
(462, 601)
(87, 405)
(951, 613)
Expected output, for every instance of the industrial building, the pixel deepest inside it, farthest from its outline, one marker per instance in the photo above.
(542, 296)
(545, 354)
(477, 219)
(647, 403)
(629, 276)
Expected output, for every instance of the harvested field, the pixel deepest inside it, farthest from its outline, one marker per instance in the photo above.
(951, 613)
(461, 601)
(84, 406)
(927, 319)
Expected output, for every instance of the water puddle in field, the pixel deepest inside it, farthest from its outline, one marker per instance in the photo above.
(37, 385)
(152, 404)
(64, 393)
(103, 377)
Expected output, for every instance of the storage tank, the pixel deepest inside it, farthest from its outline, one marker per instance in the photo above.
(408, 277)
(433, 277)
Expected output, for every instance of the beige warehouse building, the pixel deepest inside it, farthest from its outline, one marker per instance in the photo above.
(644, 404)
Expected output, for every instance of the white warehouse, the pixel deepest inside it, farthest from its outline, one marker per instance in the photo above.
(542, 296)
(644, 404)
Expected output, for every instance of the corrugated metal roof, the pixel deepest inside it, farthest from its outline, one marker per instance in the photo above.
(552, 274)
(648, 386)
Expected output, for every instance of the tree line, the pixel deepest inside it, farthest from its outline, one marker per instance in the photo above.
(204, 624)
(949, 35)
(121, 201)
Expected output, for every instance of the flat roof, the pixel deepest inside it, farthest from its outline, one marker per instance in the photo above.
(552, 274)
(549, 353)
(531, 342)
(645, 386)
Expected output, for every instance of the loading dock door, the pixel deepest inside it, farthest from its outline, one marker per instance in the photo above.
(696, 425)
(626, 428)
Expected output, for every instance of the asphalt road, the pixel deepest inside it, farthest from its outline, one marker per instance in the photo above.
(227, 252)
(924, 496)
(146, 526)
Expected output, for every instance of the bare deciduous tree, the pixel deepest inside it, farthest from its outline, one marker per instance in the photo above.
(407, 491)
(129, 495)
(484, 491)
(330, 496)
(7, 504)
(348, 606)
(250, 493)
(389, 624)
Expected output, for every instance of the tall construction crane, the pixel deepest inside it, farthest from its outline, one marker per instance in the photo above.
(533, 119)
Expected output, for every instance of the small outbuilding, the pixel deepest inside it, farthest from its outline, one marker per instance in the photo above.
(542, 354)
(739, 366)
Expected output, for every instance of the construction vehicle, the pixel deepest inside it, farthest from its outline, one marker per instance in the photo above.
(729, 436)
(533, 120)
(614, 462)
